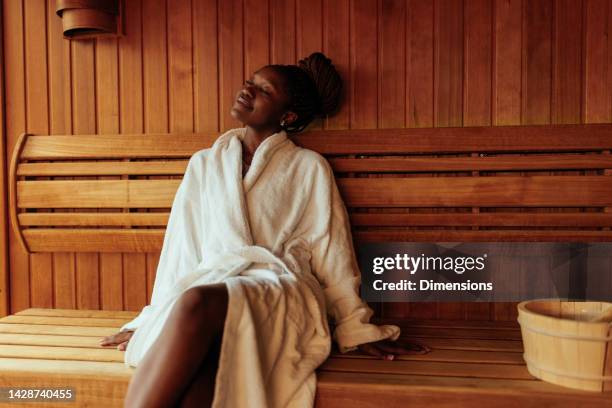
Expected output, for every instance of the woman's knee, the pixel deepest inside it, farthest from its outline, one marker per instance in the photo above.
(206, 303)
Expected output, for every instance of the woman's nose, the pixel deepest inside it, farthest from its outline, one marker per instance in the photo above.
(248, 90)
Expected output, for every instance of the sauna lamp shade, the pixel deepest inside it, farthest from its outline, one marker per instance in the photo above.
(89, 18)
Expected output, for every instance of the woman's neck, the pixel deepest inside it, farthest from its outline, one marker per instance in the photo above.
(253, 138)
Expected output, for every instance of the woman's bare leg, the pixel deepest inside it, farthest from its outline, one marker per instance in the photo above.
(201, 391)
(168, 367)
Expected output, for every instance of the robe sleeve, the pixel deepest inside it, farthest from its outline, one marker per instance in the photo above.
(182, 250)
(334, 263)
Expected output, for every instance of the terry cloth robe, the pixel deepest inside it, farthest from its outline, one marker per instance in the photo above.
(280, 240)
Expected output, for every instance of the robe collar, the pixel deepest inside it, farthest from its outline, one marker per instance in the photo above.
(261, 157)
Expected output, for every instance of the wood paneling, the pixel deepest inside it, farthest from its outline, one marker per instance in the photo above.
(4, 243)
(405, 63)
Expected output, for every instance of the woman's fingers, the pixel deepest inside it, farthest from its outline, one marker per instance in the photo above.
(116, 339)
(123, 346)
(405, 347)
(374, 350)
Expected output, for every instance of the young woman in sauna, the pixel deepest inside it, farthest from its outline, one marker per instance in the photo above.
(257, 252)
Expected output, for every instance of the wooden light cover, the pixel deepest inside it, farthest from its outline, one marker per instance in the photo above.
(90, 18)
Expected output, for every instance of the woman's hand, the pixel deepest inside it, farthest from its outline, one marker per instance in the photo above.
(120, 339)
(388, 350)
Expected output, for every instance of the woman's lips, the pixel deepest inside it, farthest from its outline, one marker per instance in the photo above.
(244, 102)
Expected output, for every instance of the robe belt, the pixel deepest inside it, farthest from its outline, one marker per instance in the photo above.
(242, 257)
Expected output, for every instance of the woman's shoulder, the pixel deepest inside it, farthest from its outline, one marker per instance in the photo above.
(312, 160)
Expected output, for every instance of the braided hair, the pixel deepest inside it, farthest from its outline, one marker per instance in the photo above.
(314, 87)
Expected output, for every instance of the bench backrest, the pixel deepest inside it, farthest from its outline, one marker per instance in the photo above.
(113, 193)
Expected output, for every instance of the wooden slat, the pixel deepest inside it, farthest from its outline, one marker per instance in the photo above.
(48, 340)
(93, 219)
(100, 354)
(535, 191)
(94, 240)
(375, 390)
(64, 321)
(483, 236)
(61, 330)
(451, 356)
(116, 146)
(103, 168)
(505, 371)
(96, 193)
(495, 163)
(591, 137)
(111, 314)
(473, 139)
(148, 240)
(522, 219)
(82, 369)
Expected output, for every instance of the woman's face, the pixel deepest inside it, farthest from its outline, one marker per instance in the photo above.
(262, 102)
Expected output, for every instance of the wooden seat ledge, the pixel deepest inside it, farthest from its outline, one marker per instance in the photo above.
(470, 364)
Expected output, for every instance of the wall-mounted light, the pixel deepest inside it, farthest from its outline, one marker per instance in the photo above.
(90, 18)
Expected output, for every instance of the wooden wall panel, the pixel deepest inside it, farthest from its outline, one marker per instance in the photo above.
(180, 64)
(4, 243)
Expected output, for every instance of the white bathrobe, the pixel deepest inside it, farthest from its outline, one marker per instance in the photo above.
(280, 239)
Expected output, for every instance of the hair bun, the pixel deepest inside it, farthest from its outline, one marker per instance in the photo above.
(326, 79)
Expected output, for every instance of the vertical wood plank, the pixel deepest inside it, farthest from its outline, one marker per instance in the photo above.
(4, 239)
(507, 69)
(60, 122)
(477, 63)
(257, 37)
(448, 60)
(477, 93)
(507, 57)
(180, 66)
(37, 114)
(206, 78)
(420, 68)
(567, 65)
(84, 119)
(597, 75)
(392, 91)
(336, 36)
(231, 60)
(15, 109)
(420, 46)
(392, 64)
(282, 31)
(107, 86)
(537, 62)
(131, 112)
(448, 90)
(364, 69)
(309, 36)
(155, 83)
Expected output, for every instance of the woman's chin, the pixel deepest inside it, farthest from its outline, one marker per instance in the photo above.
(237, 114)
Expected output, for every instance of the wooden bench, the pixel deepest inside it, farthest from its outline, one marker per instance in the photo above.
(112, 193)
(472, 364)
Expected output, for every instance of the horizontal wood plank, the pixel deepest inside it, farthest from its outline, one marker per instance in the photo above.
(74, 219)
(94, 240)
(485, 219)
(103, 168)
(546, 138)
(115, 146)
(483, 236)
(532, 191)
(99, 314)
(97, 193)
(496, 163)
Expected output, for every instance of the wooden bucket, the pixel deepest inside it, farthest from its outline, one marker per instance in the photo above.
(563, 347)
(88, 18)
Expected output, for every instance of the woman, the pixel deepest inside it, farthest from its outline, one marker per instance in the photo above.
(257, 252)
